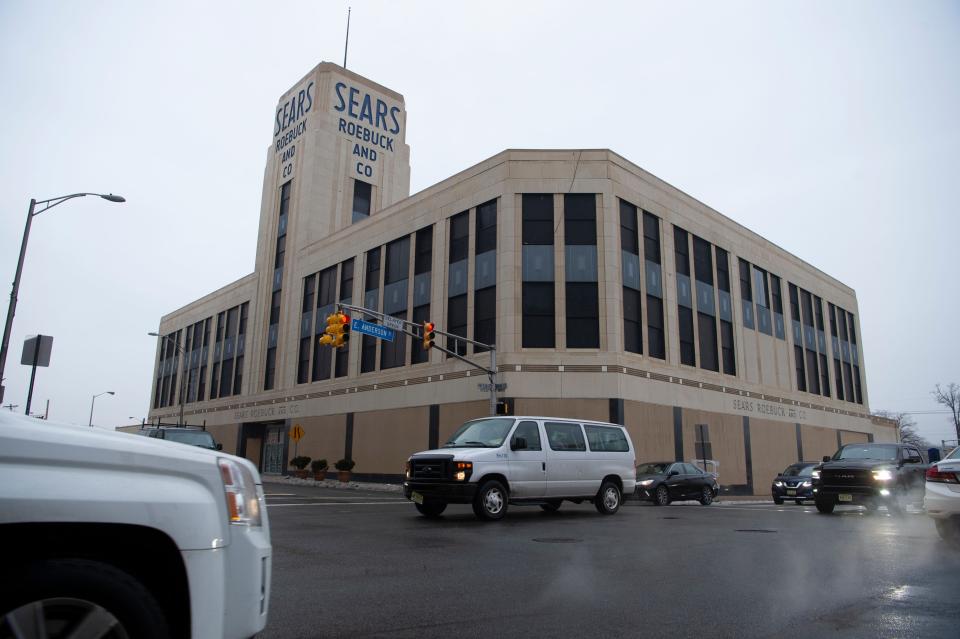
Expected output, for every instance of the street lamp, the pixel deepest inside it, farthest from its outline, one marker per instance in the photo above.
(183, 359)
(31, 213)
(95, 399)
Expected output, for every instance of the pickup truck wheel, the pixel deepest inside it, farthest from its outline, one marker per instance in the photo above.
(662, 496)
(608, 498)
(491, 501)
(824, 506)
(706, 496)
(431, 509)
(73, 597)
(551, 506)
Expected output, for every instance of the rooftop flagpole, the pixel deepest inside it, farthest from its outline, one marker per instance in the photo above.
(347, 41)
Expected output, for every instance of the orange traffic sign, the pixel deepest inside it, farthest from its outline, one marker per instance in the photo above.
(296, 433)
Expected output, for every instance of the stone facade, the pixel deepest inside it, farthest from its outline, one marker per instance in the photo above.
(758, 418)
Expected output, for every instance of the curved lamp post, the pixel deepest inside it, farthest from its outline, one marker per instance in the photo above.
(183, 358)
(95, 399)
(31, 213)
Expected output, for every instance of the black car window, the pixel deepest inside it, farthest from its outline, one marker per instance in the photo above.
(530, 432)
(606, 439)
(675, 467)
(652, 469)
(690, 469)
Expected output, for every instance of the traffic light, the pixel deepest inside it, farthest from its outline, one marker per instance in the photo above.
(504, 407)
(338, 331)
(428, 335)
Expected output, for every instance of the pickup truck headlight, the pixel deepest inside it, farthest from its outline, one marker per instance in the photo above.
(462, 470)
(882, 475)
(815, 474)
(407, 470)
(240, 491)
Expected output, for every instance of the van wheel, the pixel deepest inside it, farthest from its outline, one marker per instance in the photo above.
(552, 506)
(431, 509)
(607, 500)
(824, 506)
(73, 593)
(706, 496)
(661, 497)
(491, 501)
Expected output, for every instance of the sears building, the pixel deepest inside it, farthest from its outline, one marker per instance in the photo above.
(608, 294)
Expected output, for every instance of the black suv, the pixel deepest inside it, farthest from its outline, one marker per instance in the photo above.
(183, 435)
(870, 475)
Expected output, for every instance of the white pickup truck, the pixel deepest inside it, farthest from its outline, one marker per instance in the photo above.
(107, 534)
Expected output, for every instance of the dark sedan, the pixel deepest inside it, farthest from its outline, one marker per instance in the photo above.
(795, 482)
(663, 482)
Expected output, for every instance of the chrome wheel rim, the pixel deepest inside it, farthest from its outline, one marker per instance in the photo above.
(611, 498)
(493, 501)
(63, 616)
(661, 496)
(707, 495)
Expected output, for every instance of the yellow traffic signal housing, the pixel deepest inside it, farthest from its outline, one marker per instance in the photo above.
(338, 330)
(428, 335)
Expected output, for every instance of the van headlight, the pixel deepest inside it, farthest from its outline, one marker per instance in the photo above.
(462, 470)
(883, 474)
(240, 491)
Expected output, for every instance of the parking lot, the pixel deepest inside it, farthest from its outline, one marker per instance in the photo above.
(353, 563)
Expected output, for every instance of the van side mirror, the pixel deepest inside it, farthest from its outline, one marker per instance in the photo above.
(826, 458)
(518, 443)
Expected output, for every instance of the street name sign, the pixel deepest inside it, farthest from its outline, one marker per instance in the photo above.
(369, 328)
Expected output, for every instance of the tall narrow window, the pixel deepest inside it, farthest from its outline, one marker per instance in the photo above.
(371, 300)
(855, 358)
(485, 276)
(457, 281)
(746, 294)
(422, 266)
(273, 326)
(217, 355)
(342, 356)
(539, 322)
(229, 352)
(821, 346)
(306, 329)
(395, 285)
(798, 357)
(835, 347)
(761, 290)
(326, 298)
(688, 352)
(580, 243)
(706, 303)
(727, 352)
(630, 274)
(361, 201)
(656, 338)
(809, 342)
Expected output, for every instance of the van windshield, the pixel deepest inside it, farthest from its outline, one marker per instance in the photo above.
(481, 433)
(194, 437)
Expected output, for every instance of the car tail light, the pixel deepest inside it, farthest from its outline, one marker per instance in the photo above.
(936, 475)
(240, 491)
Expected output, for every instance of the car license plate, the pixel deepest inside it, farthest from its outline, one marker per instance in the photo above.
(416, 497)
(791, 492)
(845, 497)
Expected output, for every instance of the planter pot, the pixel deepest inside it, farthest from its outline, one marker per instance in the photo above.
(320, 475)
(343, 475)
(300, 474)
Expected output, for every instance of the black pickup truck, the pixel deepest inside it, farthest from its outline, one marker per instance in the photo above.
(870, 475)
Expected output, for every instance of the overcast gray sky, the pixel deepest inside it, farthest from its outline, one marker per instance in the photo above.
(829, 128)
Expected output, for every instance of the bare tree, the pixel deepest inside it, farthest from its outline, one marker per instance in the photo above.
(906, 429)
(950, 397)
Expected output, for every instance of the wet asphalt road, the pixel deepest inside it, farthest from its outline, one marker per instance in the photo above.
(365, 564)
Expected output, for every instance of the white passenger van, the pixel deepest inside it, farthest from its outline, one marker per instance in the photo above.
(495, 461)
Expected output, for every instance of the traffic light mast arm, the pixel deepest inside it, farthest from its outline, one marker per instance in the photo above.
(380, 316)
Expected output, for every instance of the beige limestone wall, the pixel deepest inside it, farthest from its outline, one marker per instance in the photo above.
(323, 437)
(726, 438)
(226, 434)
(651, 430)
(382, 440)
(453, 415)
(818, 441)
(773, 447)
(847, 437)
(587, 409)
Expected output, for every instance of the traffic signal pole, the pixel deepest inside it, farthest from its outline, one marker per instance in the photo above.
(416, 332)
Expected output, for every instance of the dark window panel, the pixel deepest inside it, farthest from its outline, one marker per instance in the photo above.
(818, 312)
(687, 349)
(583, 322)
(794, 303)
(629, 239)
(831, 311)
(848, 382)
(398, 260)
(539, 324)
(651, 238)
(394, 354)
(838, 376)
(824, 376)
(632, 321)
(707, 326)
(702, 261)
(775, 292)
(656, 339)
(798, 364)
(580, 219)
(813, 379)
(322, 358)
(362, 195)
(457, 323)
(746, 288)
(238, 376)
(538, 223)
(372, 281)
(303, 360)
(723, 270)
(226, 376)
(856, 384)
(486, 227)
(485, 317)
(682, 251)
(346, 280)
(729, 355)
(368, 354)
(269, 370)
(423, 258)
(459, 237)
(421, 314)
